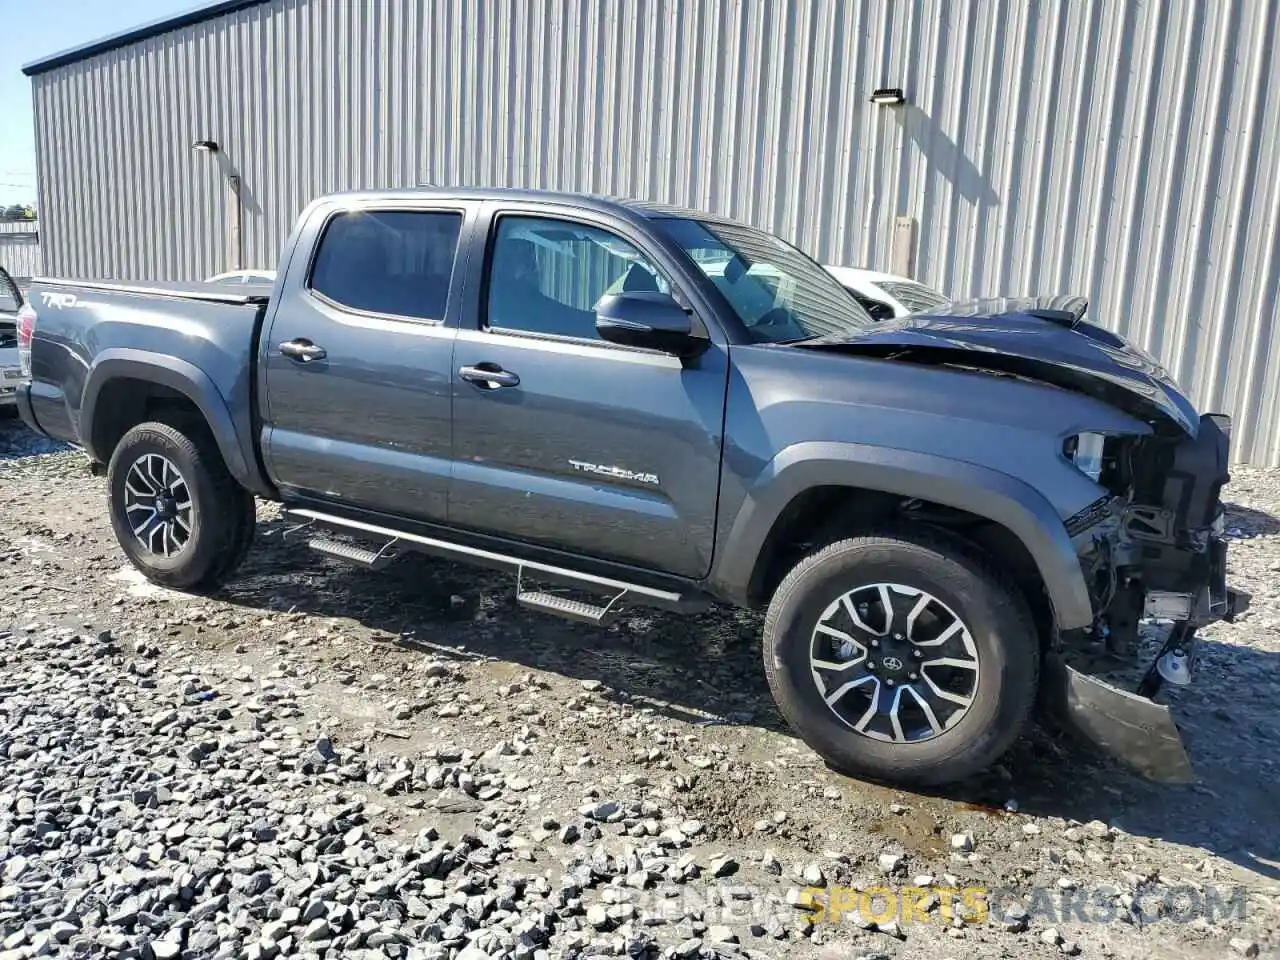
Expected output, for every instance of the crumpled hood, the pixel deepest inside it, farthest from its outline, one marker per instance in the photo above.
(1043, 338)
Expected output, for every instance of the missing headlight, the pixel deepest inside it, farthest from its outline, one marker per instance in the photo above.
(1087, 451)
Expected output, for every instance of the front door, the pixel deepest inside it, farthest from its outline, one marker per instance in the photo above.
(358, 360)
(564, 440)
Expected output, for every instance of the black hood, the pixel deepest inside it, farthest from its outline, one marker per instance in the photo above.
(1041, 338)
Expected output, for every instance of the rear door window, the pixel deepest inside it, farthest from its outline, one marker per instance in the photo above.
(395, 262)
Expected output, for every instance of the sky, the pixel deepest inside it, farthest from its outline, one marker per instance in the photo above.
(36, 28)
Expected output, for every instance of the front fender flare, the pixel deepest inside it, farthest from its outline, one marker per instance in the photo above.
(965, 486)
(187, 379)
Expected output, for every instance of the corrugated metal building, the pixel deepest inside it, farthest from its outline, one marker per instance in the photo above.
(20, 248)
(1125, 149)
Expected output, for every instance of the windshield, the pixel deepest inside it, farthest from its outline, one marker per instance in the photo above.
(778, 293)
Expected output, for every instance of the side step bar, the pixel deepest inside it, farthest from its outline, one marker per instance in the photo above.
(546, 602)
(569, 609)
(371, 559)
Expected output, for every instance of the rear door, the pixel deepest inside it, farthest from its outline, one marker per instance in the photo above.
(357, 359)
(578, 444)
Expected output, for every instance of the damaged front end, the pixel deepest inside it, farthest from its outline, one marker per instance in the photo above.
(1151, 547)
(1152, 550)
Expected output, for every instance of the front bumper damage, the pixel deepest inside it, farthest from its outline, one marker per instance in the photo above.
(1155, 554)
(1130, 727)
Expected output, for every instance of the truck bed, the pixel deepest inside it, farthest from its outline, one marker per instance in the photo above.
(239, 293)
(192, 340)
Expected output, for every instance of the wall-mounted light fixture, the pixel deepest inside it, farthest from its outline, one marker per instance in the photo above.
(888, 97)
(207, 146)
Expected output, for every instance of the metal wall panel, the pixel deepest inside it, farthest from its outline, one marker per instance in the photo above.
(20, 248)
(1125, 149)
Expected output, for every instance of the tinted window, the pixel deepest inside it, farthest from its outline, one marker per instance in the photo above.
(877, 310)
(546, 276)
(388, 261)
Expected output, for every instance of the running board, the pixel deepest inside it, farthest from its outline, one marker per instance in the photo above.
(636, 593)
(370, 559)
(568, 608)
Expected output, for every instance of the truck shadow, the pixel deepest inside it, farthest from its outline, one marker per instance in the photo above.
(1247, 522)
(1229, 811)
(706, 669)
(17, 442)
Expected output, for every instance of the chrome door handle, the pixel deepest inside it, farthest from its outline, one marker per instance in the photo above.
(302, 350)
(489, 376)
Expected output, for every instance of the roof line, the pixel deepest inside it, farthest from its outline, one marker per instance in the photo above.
(206, 11)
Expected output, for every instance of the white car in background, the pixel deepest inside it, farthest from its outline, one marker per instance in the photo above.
(244, 276)
(883, 295)
(10, 303)
(886, 295)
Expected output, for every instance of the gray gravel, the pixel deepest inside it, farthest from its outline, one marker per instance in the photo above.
(146, 811)
(16, 442)
(324, 762)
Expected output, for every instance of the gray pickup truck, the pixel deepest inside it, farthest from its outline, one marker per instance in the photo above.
(630, 404)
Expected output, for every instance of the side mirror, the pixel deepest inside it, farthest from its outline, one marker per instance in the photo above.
(648, 319)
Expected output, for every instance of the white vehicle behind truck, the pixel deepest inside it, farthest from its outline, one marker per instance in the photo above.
(10, 374)
(885, 295)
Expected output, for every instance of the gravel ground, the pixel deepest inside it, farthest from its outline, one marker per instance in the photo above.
(17, 443)
(321, 761)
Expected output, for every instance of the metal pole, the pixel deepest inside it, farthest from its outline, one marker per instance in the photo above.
(236, 218)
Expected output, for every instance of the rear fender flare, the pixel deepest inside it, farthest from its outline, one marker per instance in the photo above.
(986, 493)
(179, 375)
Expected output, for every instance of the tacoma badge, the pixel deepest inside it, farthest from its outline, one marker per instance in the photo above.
(617, 473)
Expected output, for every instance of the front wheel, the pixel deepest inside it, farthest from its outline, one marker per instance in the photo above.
(901, 658)
(177, 513)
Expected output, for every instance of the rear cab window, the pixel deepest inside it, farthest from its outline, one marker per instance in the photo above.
(392, 262)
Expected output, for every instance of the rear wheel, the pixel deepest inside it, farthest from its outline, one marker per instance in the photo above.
(177, 513)
(901, 658)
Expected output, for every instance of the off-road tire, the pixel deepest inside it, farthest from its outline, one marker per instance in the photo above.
(223, 513)
(998, 621)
